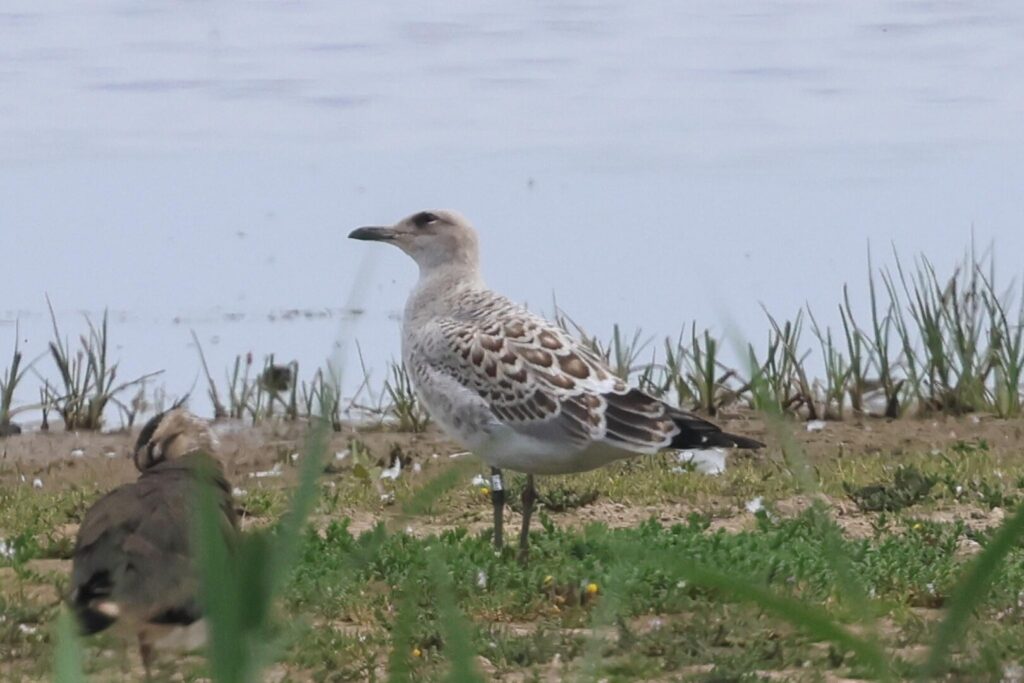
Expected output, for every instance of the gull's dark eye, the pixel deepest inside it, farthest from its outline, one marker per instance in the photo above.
(424, 218)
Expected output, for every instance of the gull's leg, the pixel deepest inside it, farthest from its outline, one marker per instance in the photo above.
(529, 498)
(498, 500)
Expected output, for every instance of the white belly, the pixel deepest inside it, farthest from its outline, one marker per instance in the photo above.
(511, 450)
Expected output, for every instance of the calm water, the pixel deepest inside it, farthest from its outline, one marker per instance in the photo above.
(197, 165)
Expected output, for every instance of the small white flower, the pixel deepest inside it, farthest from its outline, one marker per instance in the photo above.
(756, 505)
(479, 480)
(6, 549)
(238, 493)
(959, 490)
(37, 483)
(387, 498)
(27, 629)
(417, 468)
(341, 455)
(293, 457)
(481, 579)
(78, 453)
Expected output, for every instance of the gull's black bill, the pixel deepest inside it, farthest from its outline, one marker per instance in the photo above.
(372, 234)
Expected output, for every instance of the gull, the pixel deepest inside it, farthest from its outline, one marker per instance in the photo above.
(511, 386)
(133, 566)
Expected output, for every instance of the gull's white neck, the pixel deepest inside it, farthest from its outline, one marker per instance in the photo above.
(439, 287)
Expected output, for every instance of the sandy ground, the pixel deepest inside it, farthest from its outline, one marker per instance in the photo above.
(57, 460)
(61, 458)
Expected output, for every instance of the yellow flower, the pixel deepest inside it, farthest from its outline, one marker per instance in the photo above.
(484, 491)
(548, 580)
(592, 588)
(416, 652)
(917, 526)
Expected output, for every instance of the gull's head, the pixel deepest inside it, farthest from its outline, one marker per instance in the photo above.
(434, 238)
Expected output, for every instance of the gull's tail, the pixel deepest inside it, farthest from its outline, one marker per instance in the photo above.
(696, 432)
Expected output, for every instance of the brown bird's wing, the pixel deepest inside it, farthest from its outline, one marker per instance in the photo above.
(133, 555)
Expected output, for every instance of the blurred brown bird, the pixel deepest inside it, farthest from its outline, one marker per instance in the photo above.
(134, 563)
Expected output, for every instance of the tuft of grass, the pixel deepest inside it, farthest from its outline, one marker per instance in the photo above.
(9, 381)
(88, 379)
(405, 406)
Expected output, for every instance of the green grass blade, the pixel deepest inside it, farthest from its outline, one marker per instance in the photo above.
(400, 659)
(971, 591)
(226, 651)
(456, 628)
(813, 620)
(68, 651)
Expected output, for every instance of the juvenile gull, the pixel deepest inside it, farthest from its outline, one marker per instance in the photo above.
(512, 387)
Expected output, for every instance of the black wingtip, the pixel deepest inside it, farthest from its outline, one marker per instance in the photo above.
(709, 439)
(696, 432)
(92, 621)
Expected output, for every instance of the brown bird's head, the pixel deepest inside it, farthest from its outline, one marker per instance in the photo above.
(170, 435)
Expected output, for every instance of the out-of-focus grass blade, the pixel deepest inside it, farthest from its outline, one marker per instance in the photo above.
(427, 495)
(400, 661)
(68, 652)
(227, 648)
(241, 582)
(289, 532)
(971, 591)
(812, 620)
(458, 643)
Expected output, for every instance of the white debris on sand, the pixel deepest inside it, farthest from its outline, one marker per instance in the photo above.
(815, 425)
(274, 471)
(703, 460)
(392, 472)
